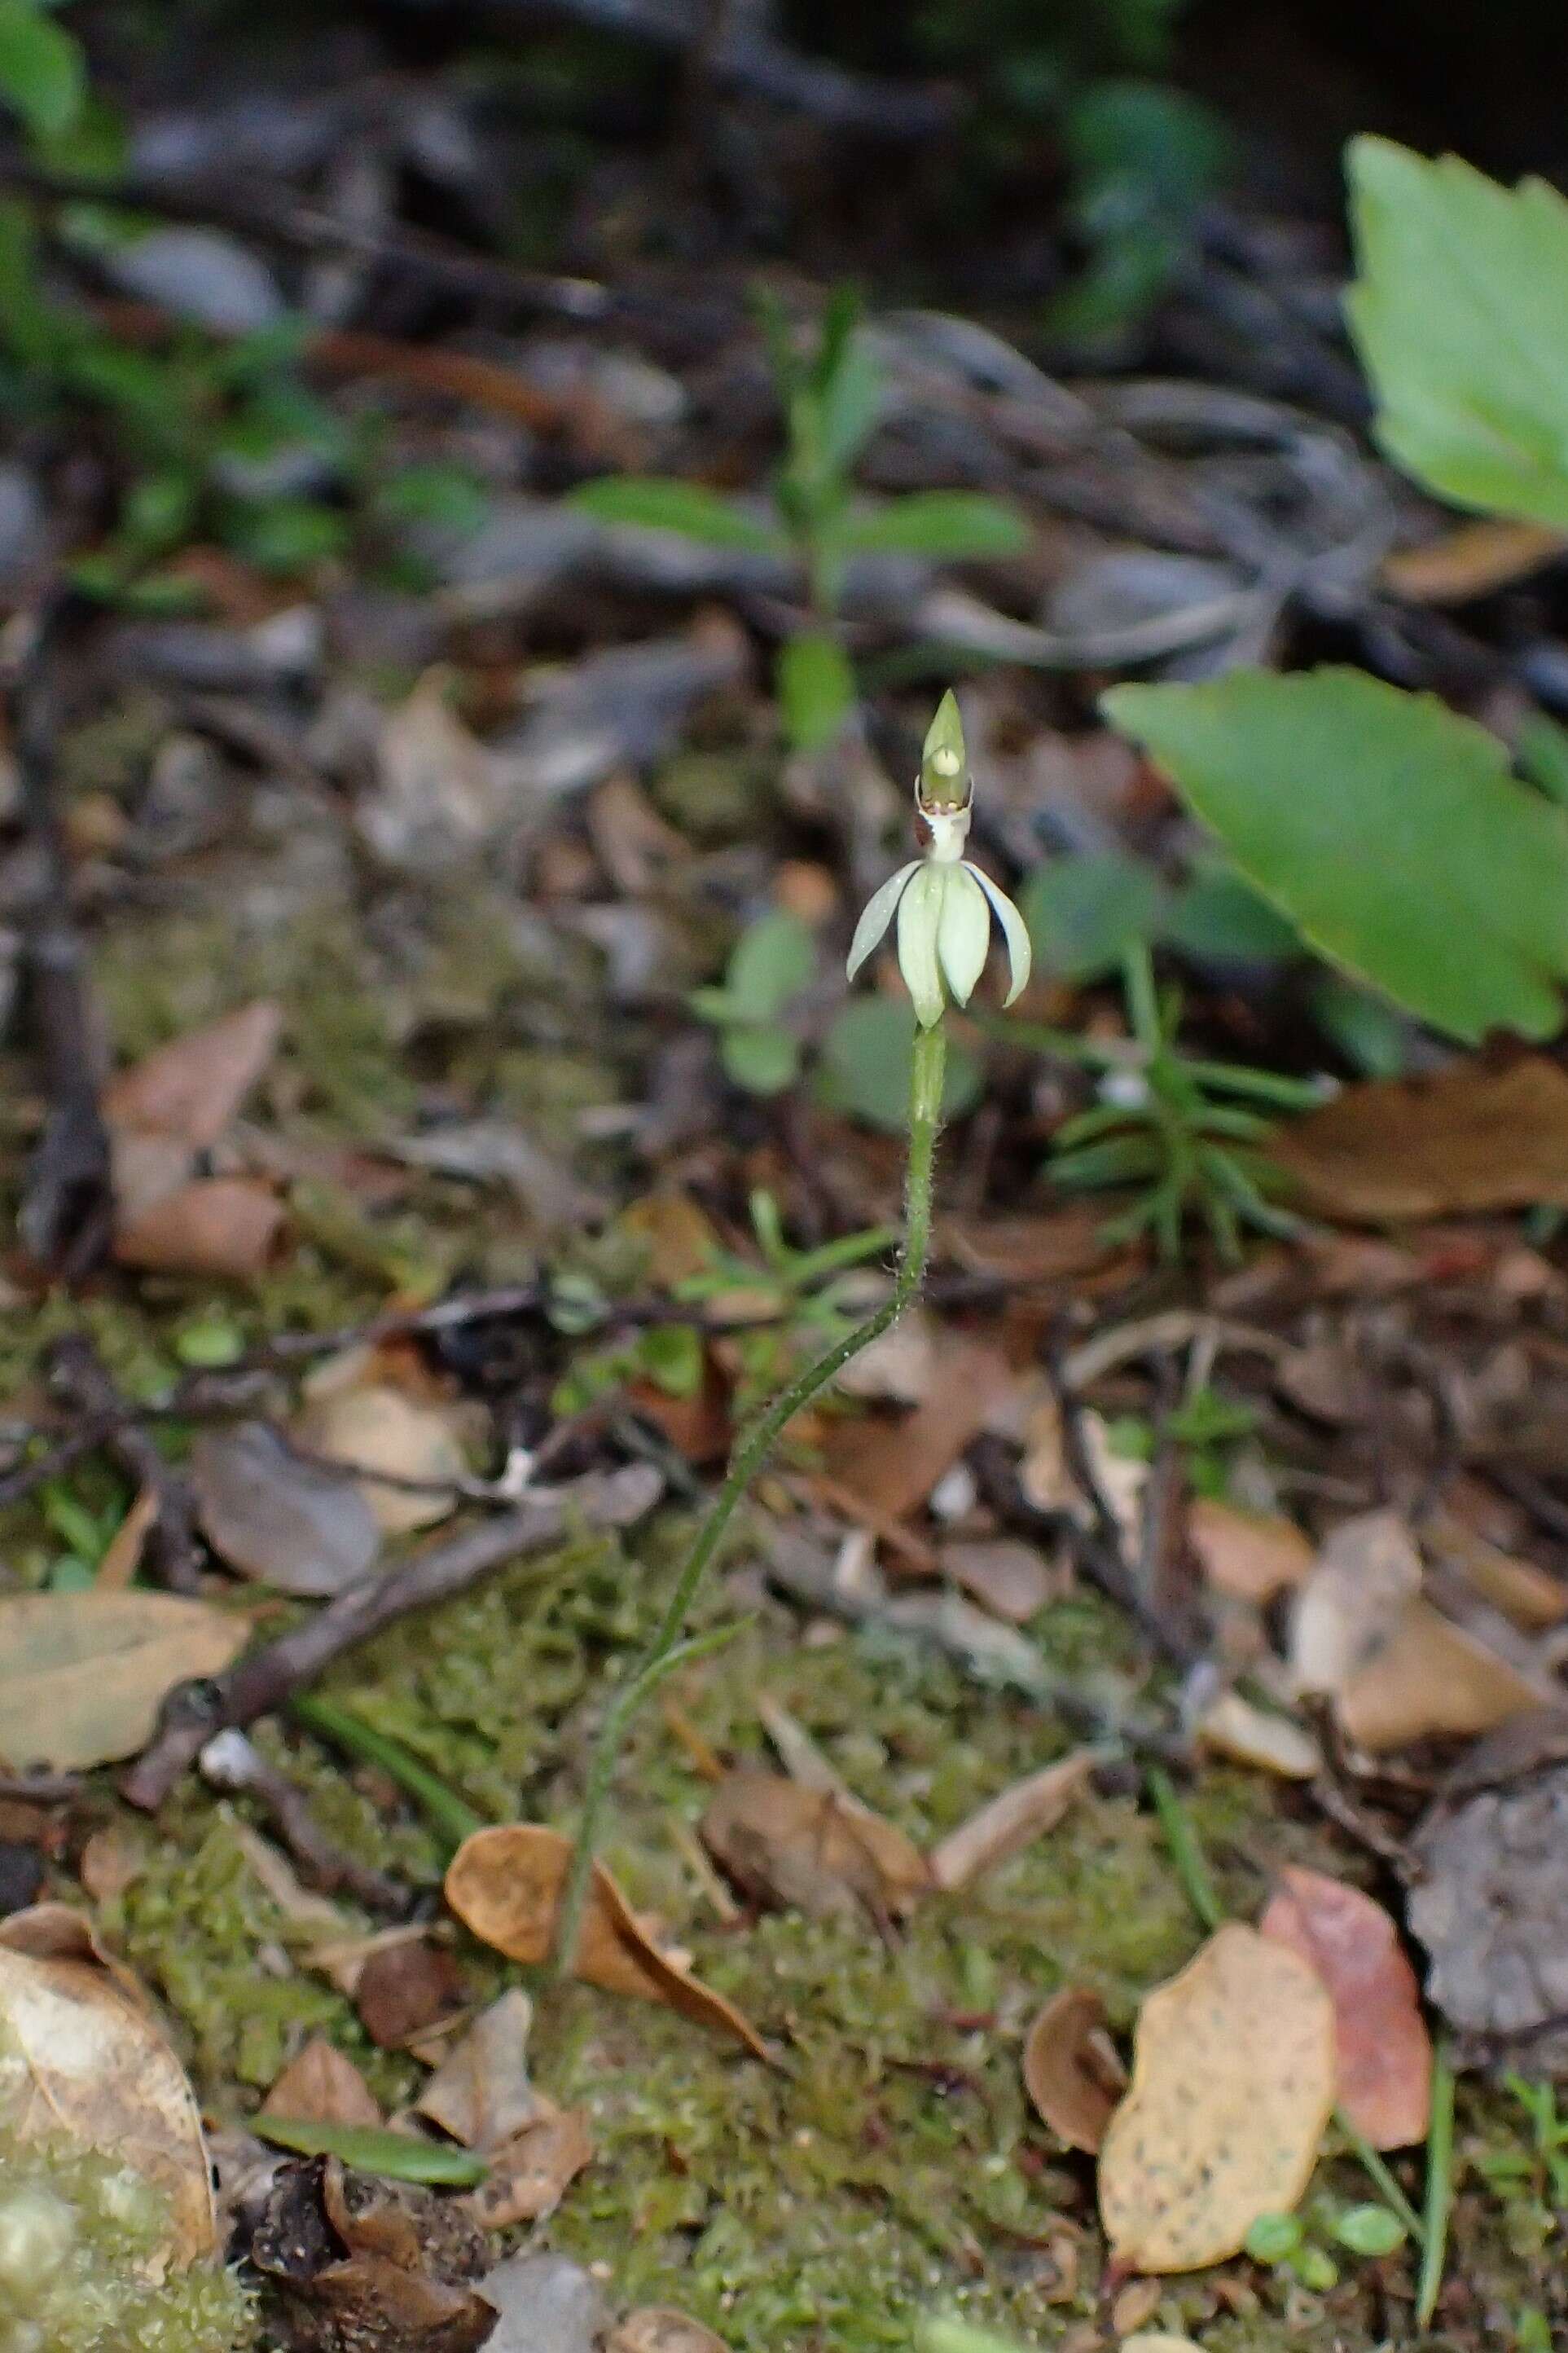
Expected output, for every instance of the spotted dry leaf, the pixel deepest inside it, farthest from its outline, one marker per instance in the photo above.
(1233, 2073)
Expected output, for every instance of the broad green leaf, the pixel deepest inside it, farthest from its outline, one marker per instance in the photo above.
(1542, 755)
(1459, 312)
(40, 68)
(815, 690)
(373, 2148)
(654, 503)
(867, 1059)
(1084, 913)
(1217, 915)
(946, 524)
(1388, 829)
(760, 1060)
(774, 960)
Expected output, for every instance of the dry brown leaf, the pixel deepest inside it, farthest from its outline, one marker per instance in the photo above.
(82, 1675)
(1013, 1579)
(1234, 2074)
(1468, 1139)
(891, 1471)
(1008, 1823)
(1367, 1573)
(1232, 1726)
(1474, 559)
(320, 2085)
(1431, 1679)
(505, 1886)
(1071, 2070)
(1248, 1555)
(223, 1226)
(792, 1845)
(678, 1235)
(660, 2328)
(378, 1427)
(531, 2173)
(1530, 1597)
(122, 1554)
(1384, 2050)
(97, 2067)
(439, 793)
(480, 2093)
(271, 1515)
(190, 1089)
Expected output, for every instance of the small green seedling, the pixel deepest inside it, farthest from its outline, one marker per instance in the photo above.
(830, 391)
(1184, 1135)
(771, 965)
(1301, 2248)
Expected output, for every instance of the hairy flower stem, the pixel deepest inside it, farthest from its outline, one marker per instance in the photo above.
(752, 1447)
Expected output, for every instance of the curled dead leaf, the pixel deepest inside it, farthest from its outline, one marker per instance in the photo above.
(95, 2066)
(531, 2173)
(480, 2093)
(1259, 1736)
(1071, 2070)
(1234, 2073)
(1007, 1824)
(223, 1226)
(191, 1088)
(378, 1427)
(320, 2085)
(660, 2328)
(787, 1843)
(1248, 1555)
(1430, 1680)
(82, 1675)
(1384, 2050)
(505, 1885)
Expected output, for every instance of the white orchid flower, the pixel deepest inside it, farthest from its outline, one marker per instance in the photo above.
(943, 902)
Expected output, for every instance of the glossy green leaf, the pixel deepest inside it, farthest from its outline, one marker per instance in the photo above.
(370, 2149)
(1458, 313)
(1388, 829)
(1369, 2231)
(1084, 913)
(947, 525)
(41, 71)
(815, 690)
(867, 1059)
(774, 960)
(654, 503)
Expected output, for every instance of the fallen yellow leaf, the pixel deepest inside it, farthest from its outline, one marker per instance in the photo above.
(82, 1675)
(1233, 2073)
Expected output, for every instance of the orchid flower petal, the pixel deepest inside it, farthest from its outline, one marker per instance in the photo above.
(1015, 931)
(920, 918)
(877, 915)
(963, 934)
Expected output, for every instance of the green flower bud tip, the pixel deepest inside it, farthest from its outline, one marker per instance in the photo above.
(944, 768)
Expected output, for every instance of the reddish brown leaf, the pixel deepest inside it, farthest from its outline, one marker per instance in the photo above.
(1248, 1555)
(1470, 1138)
(192, 1088)
(321, 2087)
(786, 1844)
(1385, 2052)
(226, 1226)
(1071, 2070)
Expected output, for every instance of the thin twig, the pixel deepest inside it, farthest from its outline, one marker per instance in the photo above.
(265, 1679)
(171, 1548)
(230, 1761)
(68, 1207)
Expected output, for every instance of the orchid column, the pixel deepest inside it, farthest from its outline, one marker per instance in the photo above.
(944, 905)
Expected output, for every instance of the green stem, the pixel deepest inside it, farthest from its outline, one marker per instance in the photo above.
(446, 1811)
(752, 1447)
(1439, 2189)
